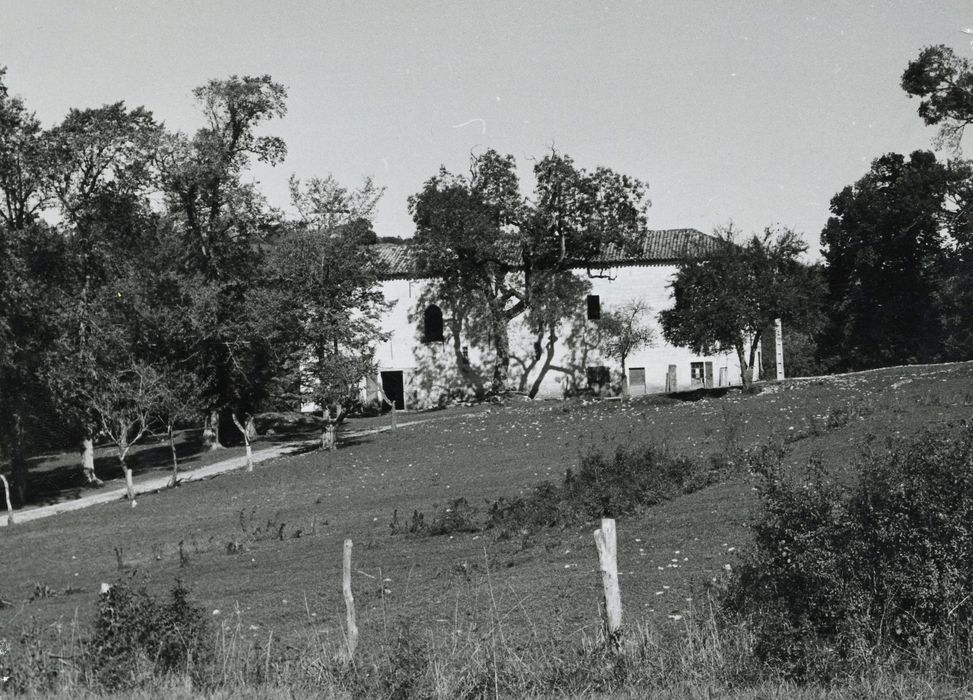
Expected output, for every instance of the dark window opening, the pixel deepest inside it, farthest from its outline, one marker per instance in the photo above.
(432, 324)
(594, 307)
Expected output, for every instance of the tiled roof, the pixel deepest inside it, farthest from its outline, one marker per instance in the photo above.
(658, 247)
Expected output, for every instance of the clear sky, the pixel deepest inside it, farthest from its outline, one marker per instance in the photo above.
(752, 111)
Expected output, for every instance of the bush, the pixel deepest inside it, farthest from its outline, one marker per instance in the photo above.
(137, 637)
(840, 574)
(605, 485)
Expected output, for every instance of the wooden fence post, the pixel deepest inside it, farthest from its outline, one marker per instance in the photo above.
(607, 555)
(393, 418)
(349, 601)
(6, 495)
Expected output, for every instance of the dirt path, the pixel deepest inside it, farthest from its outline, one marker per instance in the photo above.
(157, 483)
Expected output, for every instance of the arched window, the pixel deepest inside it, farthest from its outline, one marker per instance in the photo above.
(432, 324)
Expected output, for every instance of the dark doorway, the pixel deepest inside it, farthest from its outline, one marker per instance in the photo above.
(394, 388)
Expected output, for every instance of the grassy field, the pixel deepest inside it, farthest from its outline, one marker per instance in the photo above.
(262, 551)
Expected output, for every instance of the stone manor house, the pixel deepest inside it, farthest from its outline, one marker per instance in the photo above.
(416, 362)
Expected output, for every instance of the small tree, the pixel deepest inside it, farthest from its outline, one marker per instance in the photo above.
(625, 330)
(125, 403)
(178, 400)
(726, 301)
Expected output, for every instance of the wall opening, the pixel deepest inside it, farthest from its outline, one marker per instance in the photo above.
(594, 307)
(393, 384)
(695, 374)
(432, 324)
(599, 379)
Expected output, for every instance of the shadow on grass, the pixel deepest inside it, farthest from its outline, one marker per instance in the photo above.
(56, 478)
(354, 440)
(699, 394)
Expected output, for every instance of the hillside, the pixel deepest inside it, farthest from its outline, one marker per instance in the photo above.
(262, 551)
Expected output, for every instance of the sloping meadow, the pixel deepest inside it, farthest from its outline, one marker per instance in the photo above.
(474, 569)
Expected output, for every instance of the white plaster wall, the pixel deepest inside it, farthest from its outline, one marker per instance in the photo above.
(648, 282)
(396, 353)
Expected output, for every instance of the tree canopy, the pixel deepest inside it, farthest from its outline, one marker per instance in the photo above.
(893, 238)
(146, 279)
(487, 241)
(725, 302)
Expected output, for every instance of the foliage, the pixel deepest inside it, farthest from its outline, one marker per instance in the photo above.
(625, 331)
(874, 568)
(125, 403)
(944, 83)
(478, 234)
(606, 485)
(893, 238)
(137, 637)
(727, 301)
(323, 204)
(332, 310)
(22, 162)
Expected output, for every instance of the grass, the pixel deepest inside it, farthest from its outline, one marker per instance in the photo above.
(536, 596)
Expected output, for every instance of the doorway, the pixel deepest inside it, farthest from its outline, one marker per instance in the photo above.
(394, 388)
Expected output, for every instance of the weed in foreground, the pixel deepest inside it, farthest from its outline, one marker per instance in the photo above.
(849, 577)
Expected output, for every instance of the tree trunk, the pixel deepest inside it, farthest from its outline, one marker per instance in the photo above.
(753, 355)
(245, 432)
(329, 436)
(175, 458)
(18, 463)
(211, 431)
(529, 367)
(6, 497)
(746, 372)
(122, 452)
(548, 359)
(624, 381)
(501, 344)
(129, 483)
(88, 460)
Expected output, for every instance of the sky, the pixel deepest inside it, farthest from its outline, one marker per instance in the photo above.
(755, 112)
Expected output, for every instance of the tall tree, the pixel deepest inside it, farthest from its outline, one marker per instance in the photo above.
(225, 223)
(326, 287)
(31, 275)
(887, 251)
(22, 162)
(943, 82)
(483, 239)
(99, 174)
(724, 302)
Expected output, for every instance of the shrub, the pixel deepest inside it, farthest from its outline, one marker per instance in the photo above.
(137, 637)
(457, 516)
(838, 574)
(605, 485)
